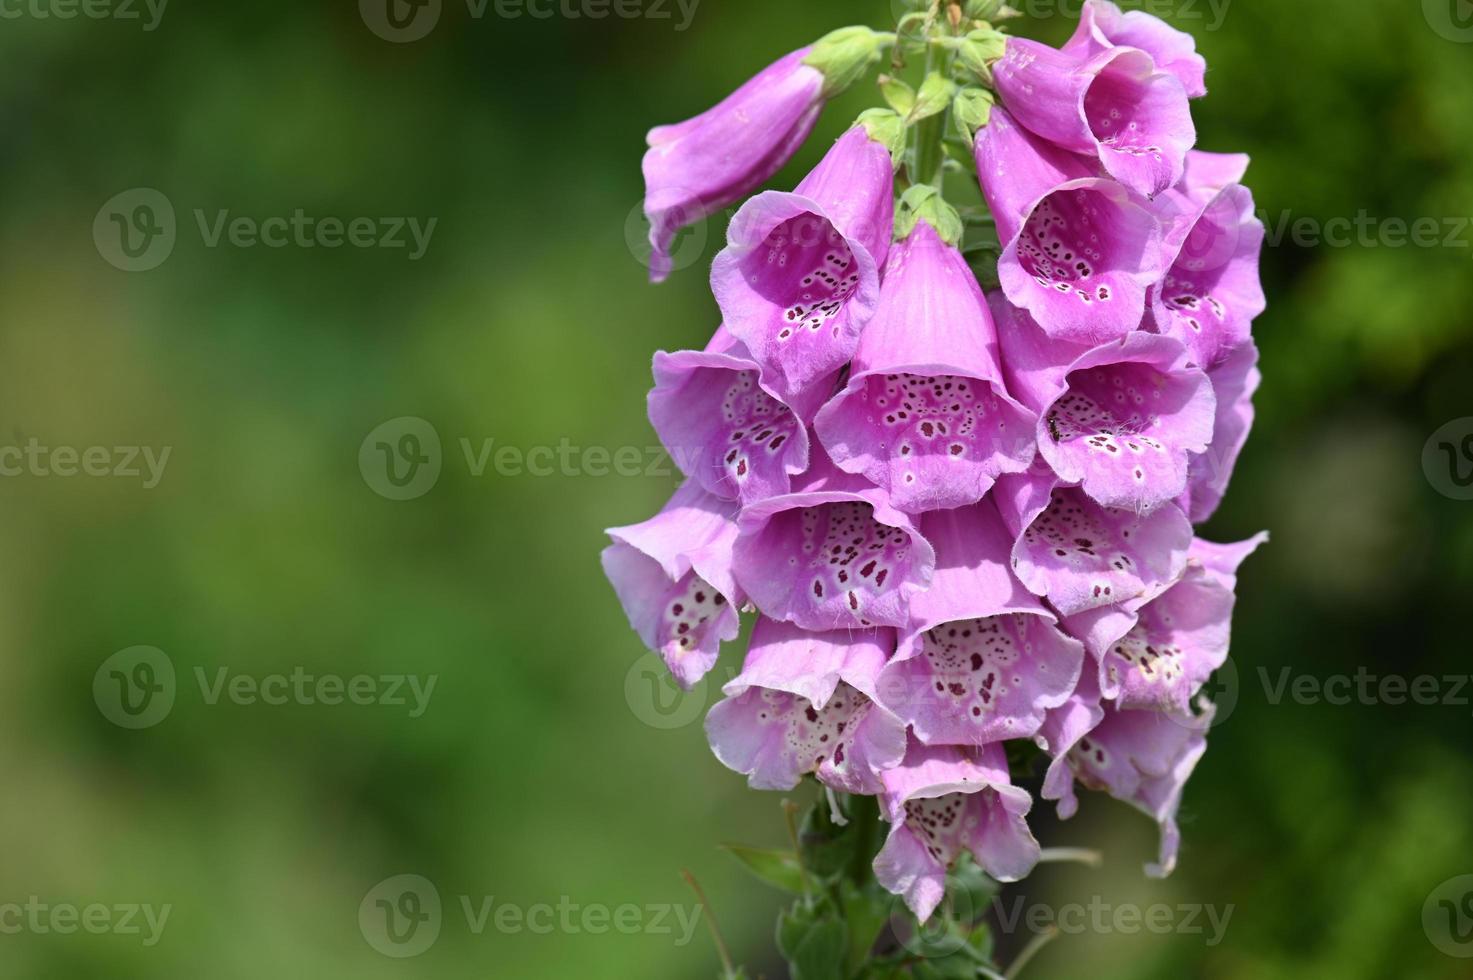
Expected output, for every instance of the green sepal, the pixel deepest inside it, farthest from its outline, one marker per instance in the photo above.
(971, 110)
(980, 50)
(935, 95)
(813, 939)
(845, 56)
(887, 129)
(898, 94)
(779, 869)
(924, 202)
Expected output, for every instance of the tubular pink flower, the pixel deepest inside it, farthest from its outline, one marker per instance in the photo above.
(1115, 106)
(1145, 758)
(800, 275)
(804, 703)
(1062, 730)
(1119, 419)
(925, 415)
(695, 168)
(832, 555)
(1079, 252)
(1080, 555)
(1156, 654)
(985, 661)
(1103, 26)
(724, 427)
(1234, 380)
(1211, 292)
(942, 801)
(673, 576)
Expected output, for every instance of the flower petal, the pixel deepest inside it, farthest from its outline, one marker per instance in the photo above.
(1102, 26)
(1145, 759)
(1079, 253)
(942, 801)
(799, 277)
(723, 427)
(695, 168)
(925, 415)
(1080, 555)
(986, 661)
(673, 576)
(804, 704)
(826, 559)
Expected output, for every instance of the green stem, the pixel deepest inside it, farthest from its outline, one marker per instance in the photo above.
(929, 153)
(864, 816)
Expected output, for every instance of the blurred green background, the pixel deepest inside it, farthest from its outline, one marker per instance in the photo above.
(547, 768)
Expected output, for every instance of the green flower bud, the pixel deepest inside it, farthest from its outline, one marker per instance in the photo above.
(845, 56)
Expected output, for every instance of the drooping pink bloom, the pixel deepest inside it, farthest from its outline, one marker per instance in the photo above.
(724, 427)
(1145, 759)
(943, 801)
(1157, 654)
(925, 414)
(1116, 106)
(985, 661)
(1062, 730)
(1103, 26)
(695, 168)
(800, 275)
(673, 575)
(1211, 292)
(1080, 555)
(1079, 253)
(1235, 379)
(1119, 419)
(805, 703)
(834, 554)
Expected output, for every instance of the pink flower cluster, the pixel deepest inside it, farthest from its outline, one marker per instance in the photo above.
(961, 520)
